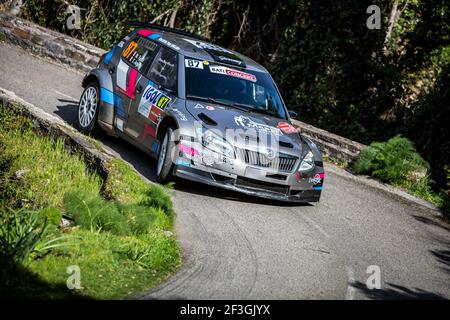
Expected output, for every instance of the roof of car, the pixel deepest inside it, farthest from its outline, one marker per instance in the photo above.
(198, 49)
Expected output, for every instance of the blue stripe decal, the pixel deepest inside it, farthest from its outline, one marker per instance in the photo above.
(109, 55)
(317, 188)
(106, 96)
(154, 147)
(154, 36)
(118, 104)
(182, 163)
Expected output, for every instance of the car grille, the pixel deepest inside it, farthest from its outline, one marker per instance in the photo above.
(281, 162)
(261, 185)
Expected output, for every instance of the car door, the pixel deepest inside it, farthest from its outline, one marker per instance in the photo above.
(156, 91)
(135, 57)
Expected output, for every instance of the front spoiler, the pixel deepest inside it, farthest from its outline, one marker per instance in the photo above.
(301, 196)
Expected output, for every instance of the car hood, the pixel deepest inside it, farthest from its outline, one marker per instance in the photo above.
(251, 125)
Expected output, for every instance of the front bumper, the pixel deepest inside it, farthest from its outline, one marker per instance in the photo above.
(247, 185)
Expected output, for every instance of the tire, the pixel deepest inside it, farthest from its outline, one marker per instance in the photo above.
(164, 166)
(88, 107)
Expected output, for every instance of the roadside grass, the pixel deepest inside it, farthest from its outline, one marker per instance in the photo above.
(397, 162)
(120, 232)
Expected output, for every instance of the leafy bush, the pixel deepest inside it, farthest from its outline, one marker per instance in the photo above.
(51, 214)
(20, 232)
(395, 161)
(94, 213)
(150, 251)
(156, 196)
(139, 218)
(23, 233)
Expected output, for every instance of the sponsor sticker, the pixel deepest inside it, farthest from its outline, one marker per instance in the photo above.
(233, 73)
(287, 127)
(210, 108)
(207, 46)
(180, 114)
(248, 123)
(155, 115)
(169, 44)
(199, 106)
(317, 179)
(152, 97)
(191, 63)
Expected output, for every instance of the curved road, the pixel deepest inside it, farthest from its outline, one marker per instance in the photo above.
(237, 247)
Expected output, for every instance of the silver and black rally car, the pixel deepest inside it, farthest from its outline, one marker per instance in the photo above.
(206, 113)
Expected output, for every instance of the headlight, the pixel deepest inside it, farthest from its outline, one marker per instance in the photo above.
(307, 162)
(217, 144)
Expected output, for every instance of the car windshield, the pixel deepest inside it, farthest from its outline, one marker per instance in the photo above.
(248, 90)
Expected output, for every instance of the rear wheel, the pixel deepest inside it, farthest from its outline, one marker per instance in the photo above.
(88, 108)
(164, 167)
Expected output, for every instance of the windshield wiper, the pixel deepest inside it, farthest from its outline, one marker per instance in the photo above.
(265, 112)
(216, 101)
(206, 99)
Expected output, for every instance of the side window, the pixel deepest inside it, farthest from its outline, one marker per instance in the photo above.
(164, 69)
(139, 52)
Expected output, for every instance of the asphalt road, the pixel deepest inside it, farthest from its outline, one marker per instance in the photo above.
(238, 247)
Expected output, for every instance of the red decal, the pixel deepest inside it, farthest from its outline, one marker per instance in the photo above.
(210, 108)
(322, 175)
(188, 150)
(287, 128)
(148, 131)
(155, 114)
(145, 33)
(131, 85)
(240, 74)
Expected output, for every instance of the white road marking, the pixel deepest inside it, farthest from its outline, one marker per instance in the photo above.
(350, 295)
(65, 95)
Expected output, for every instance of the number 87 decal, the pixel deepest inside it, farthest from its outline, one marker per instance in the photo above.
(130, 50)
(190, 63)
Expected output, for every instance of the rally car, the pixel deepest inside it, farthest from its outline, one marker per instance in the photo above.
(206, 113)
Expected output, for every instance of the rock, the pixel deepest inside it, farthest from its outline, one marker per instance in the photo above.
(168, 233)
(20, 174)
(65, 223)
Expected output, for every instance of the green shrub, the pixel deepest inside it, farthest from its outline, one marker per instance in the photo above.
(157, 196)
(395, 161)
(139, 218)
(151, 251)
(51, 214)
(94, 213)
(20, 232)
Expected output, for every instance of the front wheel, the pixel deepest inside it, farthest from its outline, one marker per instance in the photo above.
(88, 109)
(164, 167)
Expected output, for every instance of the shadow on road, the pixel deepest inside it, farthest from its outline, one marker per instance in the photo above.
(396, 292)
(67, 110)
(443, 224)
(441, 255)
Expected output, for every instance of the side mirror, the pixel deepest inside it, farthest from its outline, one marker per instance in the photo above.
(292, 114)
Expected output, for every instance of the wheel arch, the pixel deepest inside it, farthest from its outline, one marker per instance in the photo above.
(167, 122)
(105, 82)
